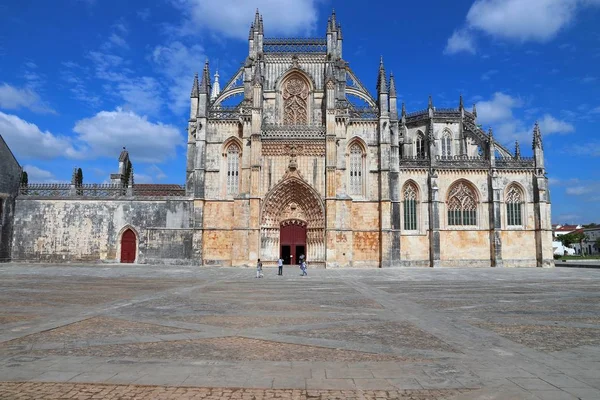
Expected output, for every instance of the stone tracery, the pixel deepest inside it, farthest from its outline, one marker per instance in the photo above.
(295, 101)
(462, 205)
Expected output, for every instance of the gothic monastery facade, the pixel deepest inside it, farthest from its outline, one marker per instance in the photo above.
(295, 156)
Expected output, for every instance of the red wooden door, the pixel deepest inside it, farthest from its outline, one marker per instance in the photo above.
(128, 246)
(294, 237)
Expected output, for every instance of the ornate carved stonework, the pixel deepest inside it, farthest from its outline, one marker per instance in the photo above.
(307, 148)
(295, 97)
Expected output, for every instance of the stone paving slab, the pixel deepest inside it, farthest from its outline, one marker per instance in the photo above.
(149, 331)
(36, 391)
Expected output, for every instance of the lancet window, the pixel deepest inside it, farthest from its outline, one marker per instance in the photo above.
(462, 205)
(356, 169)
(420, 145)
(514, 199)
(447, 145)
(233, 169)
(410, 207)
(295, 101)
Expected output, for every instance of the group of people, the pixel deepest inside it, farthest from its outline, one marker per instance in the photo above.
(259, 267)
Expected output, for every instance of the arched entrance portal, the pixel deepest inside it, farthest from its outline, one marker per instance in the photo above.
(293, 219)
(128, 246)
(292, 241)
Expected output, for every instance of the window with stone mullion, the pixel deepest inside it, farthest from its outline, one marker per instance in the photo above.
(513, 207)
(356, 170)
(232, 170)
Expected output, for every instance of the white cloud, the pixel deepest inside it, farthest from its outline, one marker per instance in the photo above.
(550, 125)
(141, 94)
(499, 108)
(499, 113)
(178, 62)
(38, 175)
(531, 20)
(232, 18)
(156, 172)
(108, 131)
(461, 40)
(488, 74)
(118, 41)
(595, 110)
(590, 149)
(26, 140)
(520, 20)
(13, 98)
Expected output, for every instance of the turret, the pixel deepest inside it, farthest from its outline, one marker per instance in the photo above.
(517, 150)
(393, 98)
(538, 148)
(334, 38)
(256, 36)
(382, 90)
(461, 106)
(330, 84)
(474, 111)
(430, 106)
(194, 98)
(216, 89)
(491, 146)
(204, 92)
(257, 81)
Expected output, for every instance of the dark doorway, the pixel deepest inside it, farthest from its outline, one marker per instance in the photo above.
(286, 252)
(293, 242)
(128, 246)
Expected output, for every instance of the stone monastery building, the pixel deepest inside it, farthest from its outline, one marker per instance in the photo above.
(294, 156)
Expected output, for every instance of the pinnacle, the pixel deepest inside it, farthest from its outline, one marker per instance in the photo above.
(392, 85)
(195, 89)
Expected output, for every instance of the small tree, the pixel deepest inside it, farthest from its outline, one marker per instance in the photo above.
(24, 182)
(79, 181)
(570, 238)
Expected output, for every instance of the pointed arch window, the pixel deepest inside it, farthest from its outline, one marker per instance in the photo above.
(462, 205)
(410, 207)
(514, 199)
(295, 101)
(233, 169)
(420, 145)
(356, 169)
(446, 145)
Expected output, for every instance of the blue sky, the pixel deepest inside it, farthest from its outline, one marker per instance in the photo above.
(79, 79)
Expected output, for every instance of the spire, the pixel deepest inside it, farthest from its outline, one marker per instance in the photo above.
(430, 102)
(261, 27)
(381, 80)
(257, 79)
(491, 135)
(333, 21)
(460, 103)
(537, 137)
(216, 89)
(517, 150)
(251, 34)
(474, 110)
(205, 82)
(403, 109)
(339, 28)
(195, 86)
(257, 19)
(392, 85)
(329, 72)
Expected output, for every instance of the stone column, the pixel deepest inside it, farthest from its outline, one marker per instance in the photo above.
(434, 220)
(495, 199)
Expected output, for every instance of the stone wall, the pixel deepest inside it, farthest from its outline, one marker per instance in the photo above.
(10, 177)
(63, 230)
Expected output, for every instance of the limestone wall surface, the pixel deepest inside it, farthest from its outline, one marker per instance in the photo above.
(64, 230)
(10, 176)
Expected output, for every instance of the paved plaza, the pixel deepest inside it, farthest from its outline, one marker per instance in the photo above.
(142, 331)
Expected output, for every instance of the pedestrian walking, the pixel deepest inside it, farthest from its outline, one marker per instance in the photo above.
(303, 268)
(259, 273)
(280, 266)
